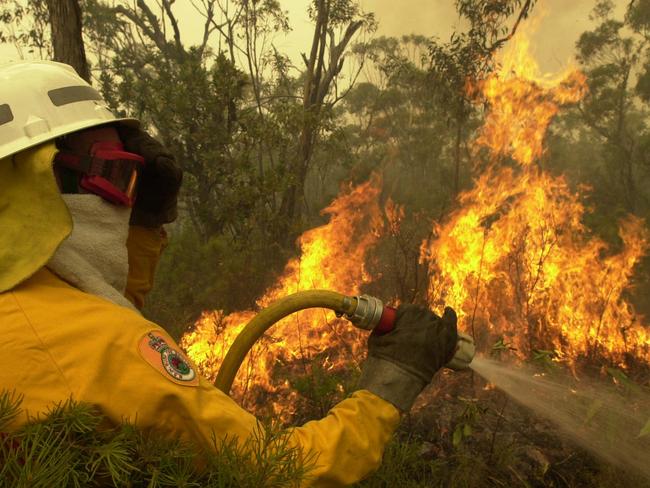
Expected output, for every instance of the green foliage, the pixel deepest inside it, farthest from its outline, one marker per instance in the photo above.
(243, 126)
(645, 431)
(489, 18)
(320, 389)
(500, 347)
(194, 276)
(73, 445)
(404, 465)
(9, 408)
(26, 26)
(400, 127)
(341, 12)
(623, 381)
(615, 56)
(544, 359)
(468, 419)
(468, 58)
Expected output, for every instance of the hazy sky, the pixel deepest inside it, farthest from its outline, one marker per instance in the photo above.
(561, 23)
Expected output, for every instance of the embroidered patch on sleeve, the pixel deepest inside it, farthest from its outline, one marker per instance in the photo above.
(161, 353)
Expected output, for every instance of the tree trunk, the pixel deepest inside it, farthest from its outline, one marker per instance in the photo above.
(323, 66)
(457, 157)
(65, 21)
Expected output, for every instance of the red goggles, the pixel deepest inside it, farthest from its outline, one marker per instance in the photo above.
(108, 171)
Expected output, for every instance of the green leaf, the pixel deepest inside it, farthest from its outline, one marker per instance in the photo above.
(543, 355)
(645, 431)
(621, 378)
(593, 410)
(467, 430)
(618, 375)
(458, 436)
(9, 407)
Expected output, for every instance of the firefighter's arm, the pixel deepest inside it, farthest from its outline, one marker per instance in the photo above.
(345, 446)
(156, 205)
(145, 246)
(132, 370)
(400, 364)
(349, 442)
(140, 383)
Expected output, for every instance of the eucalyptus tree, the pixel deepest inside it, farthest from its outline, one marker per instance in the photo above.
(67, 40)
(615, 56)
(468, 57)
(26, 26)
(46, 29)
(243, 120)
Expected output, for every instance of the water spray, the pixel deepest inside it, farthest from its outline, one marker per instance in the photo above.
(364, 312)
(606, 422)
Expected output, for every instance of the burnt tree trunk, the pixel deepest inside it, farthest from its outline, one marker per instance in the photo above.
(65, 22)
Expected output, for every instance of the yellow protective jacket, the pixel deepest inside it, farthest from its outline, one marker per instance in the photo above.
(58, 341)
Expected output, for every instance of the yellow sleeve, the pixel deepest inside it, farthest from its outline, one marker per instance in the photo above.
(349, 442)
(145, 245)
(106, 356)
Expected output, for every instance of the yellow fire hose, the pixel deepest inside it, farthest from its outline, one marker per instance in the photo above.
(363, 311)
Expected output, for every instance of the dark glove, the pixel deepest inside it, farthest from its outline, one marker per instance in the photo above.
(401, 363)
(160, 180)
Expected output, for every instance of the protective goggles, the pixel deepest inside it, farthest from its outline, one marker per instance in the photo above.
(108, 171)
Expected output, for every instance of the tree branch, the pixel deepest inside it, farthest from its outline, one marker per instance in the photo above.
(177, 33)
(525, 10)
(209, 15)
(228, 35)
(336, 58)
(352, 84)
(317, 85)
(154, 34)
(311, 61)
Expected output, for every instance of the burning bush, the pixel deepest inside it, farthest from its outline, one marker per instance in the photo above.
(514, 259)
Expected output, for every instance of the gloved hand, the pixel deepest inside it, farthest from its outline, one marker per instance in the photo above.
(160, 180)
(402, 362)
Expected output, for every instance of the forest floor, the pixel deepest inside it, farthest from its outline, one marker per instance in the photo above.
(462, 433)
(465, 433)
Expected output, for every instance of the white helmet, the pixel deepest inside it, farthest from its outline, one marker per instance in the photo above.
(42, 100)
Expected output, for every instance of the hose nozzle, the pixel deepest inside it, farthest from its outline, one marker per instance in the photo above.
(370, 313)
(465, 350)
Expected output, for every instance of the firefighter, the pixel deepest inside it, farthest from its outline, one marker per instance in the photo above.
(83, 198)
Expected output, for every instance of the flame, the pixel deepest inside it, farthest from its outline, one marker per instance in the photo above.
(332, 257)
(515, 259)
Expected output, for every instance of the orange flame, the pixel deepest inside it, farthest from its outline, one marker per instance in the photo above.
(515, 259)
(332, 257)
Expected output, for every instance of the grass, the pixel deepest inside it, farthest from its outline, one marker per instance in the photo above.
(459, 435)
(74, 446)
